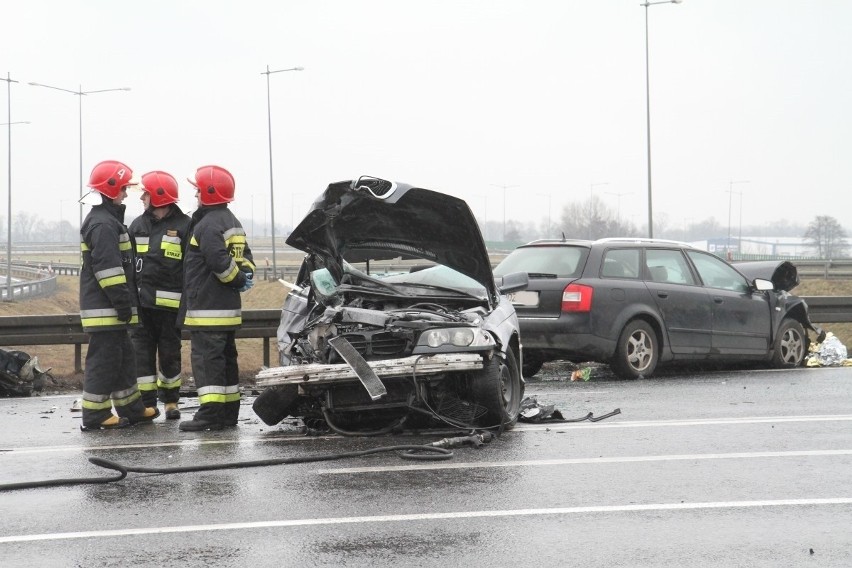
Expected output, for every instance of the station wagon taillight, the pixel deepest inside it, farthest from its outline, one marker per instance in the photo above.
(577, 298)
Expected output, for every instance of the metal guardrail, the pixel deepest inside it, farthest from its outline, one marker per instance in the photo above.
(829, 309)
(66, 329)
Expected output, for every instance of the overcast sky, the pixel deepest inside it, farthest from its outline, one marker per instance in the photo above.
(546, 97)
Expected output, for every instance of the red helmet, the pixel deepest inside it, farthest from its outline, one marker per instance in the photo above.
(214, 184)
(162, 188)
(108, 177)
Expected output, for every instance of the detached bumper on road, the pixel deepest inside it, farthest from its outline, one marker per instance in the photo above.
(316, 374)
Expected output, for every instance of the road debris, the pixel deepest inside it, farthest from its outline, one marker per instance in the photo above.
(20, 374)
(829, 353)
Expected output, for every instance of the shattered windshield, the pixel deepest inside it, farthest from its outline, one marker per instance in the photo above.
(429, 280)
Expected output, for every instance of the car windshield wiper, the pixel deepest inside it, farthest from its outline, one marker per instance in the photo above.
(541, 275)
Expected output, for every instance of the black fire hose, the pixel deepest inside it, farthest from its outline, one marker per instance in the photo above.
(430, 452)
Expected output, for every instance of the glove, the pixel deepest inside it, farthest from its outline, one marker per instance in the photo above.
(249, 282)
(124, 314)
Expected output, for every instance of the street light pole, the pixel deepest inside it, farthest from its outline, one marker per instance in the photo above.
(9, 125)
(648, 112)
(549, 212)
(269, 125)
(619, 196)
(505, 187)
(80, 93)
(592, 186)
(730, 196)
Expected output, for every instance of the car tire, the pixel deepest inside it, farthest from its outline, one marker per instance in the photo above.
(497, 388)
(273, 405)
(637, 352)
(531, 366)
(791, 345)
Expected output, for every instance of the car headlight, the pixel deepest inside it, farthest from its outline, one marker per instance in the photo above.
(455, 336)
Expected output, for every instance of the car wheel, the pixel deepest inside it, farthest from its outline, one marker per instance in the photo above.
(636, 352)
(531, 366)
(497, 388)
(791, 345)
(273, 405)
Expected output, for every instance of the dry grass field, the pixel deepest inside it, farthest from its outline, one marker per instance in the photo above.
(266, 295)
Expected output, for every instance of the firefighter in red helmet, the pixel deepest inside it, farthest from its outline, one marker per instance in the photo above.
(160, 235)
(218, 265)
(108, 303)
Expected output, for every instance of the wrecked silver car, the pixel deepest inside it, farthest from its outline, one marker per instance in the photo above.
(395, 317)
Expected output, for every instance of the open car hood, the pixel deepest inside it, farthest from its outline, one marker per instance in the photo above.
(374, 219)
(782, 273)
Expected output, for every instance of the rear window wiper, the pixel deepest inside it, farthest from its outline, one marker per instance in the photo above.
(541, 275)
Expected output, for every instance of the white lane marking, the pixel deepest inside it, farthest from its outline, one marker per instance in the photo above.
(580, 461)
(519, 428)
(694, 422)
(428, 517)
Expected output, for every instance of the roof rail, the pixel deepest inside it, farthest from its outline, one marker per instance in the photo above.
(643, 240)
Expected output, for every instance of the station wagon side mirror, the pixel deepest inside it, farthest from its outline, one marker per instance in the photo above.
(514, 282)
(762, 285)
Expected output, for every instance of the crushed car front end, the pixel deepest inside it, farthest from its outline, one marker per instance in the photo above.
(428, 339)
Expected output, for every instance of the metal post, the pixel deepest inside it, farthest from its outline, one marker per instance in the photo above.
(9, 123)
(271, 186)
(648, 112)
(80, 93)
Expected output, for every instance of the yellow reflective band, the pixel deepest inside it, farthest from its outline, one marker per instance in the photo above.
(245, 263)
(107, 321)
(173, 383)
(127, 400)
(228, 276)
(171, 250)
(236, 320)
(84, 247)
(193, 241)
(113, 281)
(88, 404)
(124, 246)
(141, 249)
(147, 387)
(167, 303)
(219, 397)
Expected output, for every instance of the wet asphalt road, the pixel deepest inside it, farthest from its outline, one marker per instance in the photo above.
(736, 468)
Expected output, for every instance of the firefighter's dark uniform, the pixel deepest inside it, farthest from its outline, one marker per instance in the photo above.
(108, 290)
(160, 244)
(216, 265)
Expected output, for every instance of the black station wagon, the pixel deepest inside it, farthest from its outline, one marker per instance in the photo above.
(634, 303)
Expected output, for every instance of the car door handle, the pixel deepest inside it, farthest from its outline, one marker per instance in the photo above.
(662, 294)
(718, 299)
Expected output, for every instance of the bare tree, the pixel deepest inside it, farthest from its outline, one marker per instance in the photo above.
(592, 219)
(827, 237)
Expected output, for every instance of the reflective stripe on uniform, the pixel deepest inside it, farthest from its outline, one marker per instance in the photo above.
(124, 242)
(213, 317)
(169, 383)
(104, 317)
(229, 274)
(167, 299)
(84, 247)
(96, 401)
(111, 277)
(126, 396)
(147, 383)
(219, 394)
(141, 245)
(171, 247)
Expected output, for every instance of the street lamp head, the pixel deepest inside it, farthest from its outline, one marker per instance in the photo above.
(298, 68)
(677, 1)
